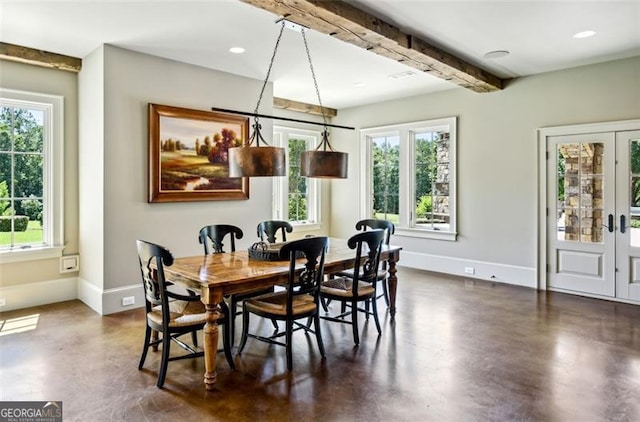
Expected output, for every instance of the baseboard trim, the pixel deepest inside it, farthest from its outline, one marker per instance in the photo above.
(109, 301)
(509, 274)
(38, 293)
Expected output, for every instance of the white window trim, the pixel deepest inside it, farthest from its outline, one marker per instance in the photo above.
(406, 132)
(53, 186)
(281, 135)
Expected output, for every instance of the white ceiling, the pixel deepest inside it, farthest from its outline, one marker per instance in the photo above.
(538, 35)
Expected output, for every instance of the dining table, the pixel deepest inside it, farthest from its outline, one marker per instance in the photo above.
(218, 275)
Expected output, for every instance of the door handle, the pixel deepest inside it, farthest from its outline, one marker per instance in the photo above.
(610, 225)
(623, 225)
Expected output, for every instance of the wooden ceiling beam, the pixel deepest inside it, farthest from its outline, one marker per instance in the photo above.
(354, 26)
(28, 55)
(303, 107)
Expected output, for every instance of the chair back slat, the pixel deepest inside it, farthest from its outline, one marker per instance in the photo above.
(307, 280)
(153, 279)
(212, 236)
(270, 228)
(367, 245)
(373, 223)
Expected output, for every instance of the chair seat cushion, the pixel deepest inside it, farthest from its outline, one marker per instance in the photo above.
(182, 314)
(343, 287)
(382, 274)
(276, 304)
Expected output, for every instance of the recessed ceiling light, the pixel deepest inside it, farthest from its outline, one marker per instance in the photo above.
(402, 75)
(236, 50)
(584, 34)
(496, 54)
(359, 84)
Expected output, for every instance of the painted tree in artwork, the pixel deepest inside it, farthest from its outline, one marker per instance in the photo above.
(219, 151)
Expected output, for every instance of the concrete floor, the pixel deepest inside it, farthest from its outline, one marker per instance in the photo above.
(459, 350)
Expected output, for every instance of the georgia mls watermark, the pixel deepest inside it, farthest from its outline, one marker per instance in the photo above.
(30, 411)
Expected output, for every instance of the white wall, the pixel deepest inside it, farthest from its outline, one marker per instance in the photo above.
(497, 161)
(91, 169)
(131, 81)
(24, 284)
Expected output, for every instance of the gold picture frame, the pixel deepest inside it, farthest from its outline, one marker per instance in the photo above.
(188, 155)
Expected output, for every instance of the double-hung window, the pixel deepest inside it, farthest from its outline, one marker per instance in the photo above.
(297, 198)
(408, 177)
(31, 140)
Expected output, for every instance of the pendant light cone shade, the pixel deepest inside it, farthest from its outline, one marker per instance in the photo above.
(257, 161)
(324, 164)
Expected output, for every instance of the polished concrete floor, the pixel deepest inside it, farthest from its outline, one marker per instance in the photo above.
(459, 350)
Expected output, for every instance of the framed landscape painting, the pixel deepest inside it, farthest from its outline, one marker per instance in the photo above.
(189, 155)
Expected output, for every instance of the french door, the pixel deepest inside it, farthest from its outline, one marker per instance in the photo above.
(593, 222)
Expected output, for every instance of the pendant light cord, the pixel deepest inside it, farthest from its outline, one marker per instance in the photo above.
(273, 57)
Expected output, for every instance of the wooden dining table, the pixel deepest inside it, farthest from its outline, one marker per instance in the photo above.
(218, 275)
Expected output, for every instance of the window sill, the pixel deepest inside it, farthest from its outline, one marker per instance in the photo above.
(305, 227)
(30, 254)
(426, 234)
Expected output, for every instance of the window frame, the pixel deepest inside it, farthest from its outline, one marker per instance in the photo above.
(406, 132)
(53, 174)
(281, 136)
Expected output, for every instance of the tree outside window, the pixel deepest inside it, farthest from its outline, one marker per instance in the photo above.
(21, 176)
(297, 202)
(409, 177)
(296, 198)
(386, 183)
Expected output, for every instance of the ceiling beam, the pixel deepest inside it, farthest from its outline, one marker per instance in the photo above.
(304, 107)
(28, 55)
(349, 24)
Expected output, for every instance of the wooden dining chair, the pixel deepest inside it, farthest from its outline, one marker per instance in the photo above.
(299, 299)
(270, 229)
(389, 229)
(169, 313)
(361, 287)
(212, 238)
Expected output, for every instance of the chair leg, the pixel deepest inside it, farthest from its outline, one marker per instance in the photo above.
(245, 328)
(325, 303)
(354, 322)
(154, 338)
(145, 348)
(226, 344)
(289, 345)
(375, 314)
(166, 344)
(385, 291)
(366, 308)
(275, 324)
(232, 318)
(194, 338)
(316, 321)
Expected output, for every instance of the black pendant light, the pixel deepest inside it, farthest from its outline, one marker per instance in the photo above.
(323, 162)
(258, 161)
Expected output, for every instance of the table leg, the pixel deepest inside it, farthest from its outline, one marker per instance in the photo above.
(210, 346)
(393, 287)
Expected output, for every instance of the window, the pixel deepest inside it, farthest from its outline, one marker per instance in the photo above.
(30, 176)
(297, 197)
(409, 177)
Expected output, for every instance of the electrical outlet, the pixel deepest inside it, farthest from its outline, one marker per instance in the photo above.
(129, 300)
(469, 270)
(3, 302)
